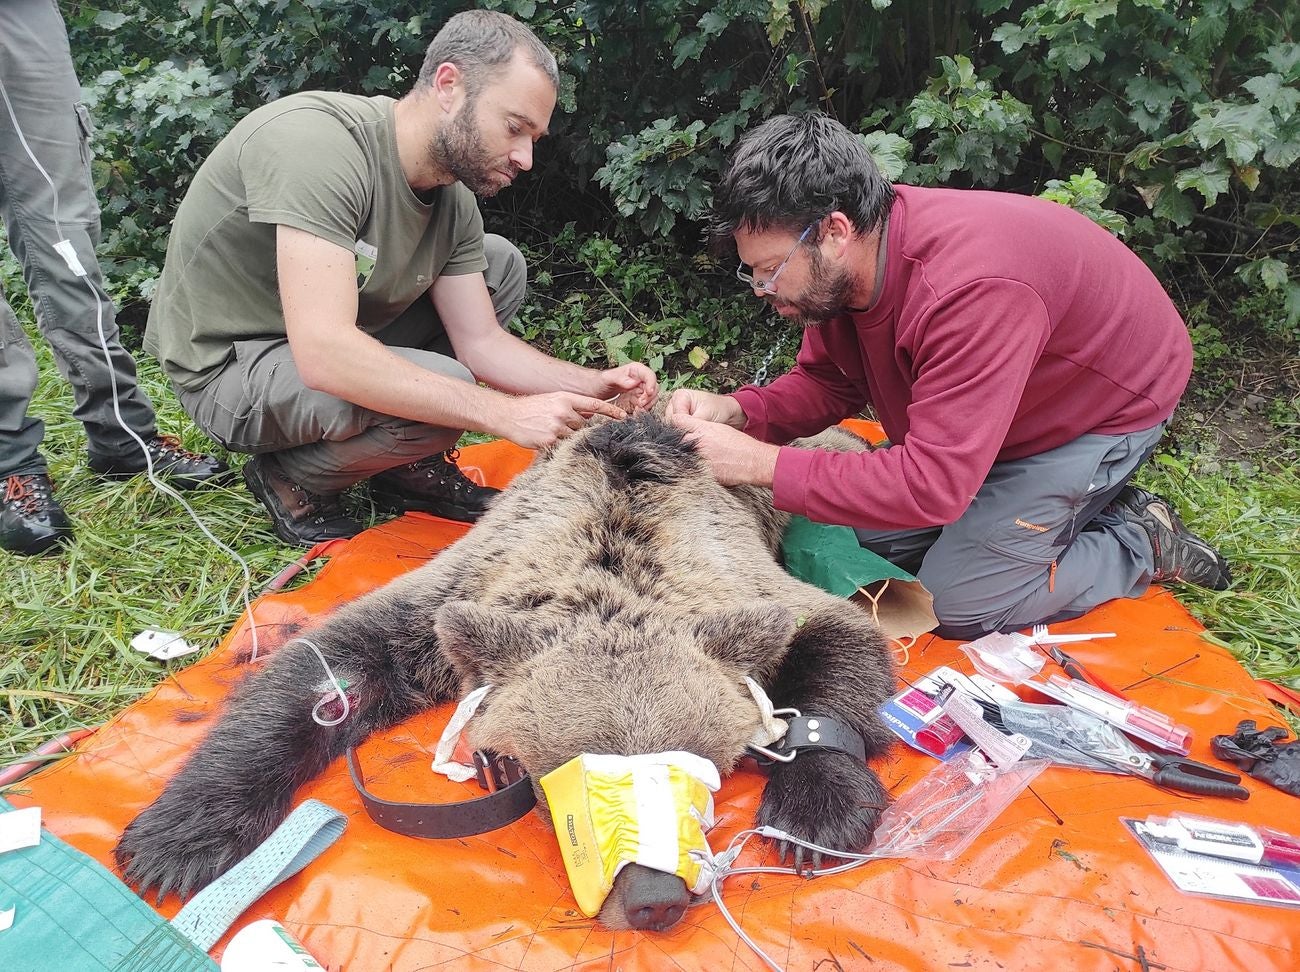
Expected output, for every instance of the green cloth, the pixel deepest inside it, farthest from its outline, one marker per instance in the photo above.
(72, 915)
(322, 162)
(831, 558)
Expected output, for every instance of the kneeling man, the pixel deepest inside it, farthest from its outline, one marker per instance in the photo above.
(329, 301)
(1022, 361)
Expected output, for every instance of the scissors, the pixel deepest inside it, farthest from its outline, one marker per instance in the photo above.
(1176, 773)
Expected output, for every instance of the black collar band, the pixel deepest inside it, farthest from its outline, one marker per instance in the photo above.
(815, 732)
(510, 796)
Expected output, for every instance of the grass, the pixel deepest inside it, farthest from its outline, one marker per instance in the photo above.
(139, 561)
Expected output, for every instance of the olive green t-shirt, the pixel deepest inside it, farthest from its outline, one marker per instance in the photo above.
(322, 162)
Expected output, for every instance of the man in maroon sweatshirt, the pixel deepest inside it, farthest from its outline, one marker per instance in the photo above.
(1022, 361)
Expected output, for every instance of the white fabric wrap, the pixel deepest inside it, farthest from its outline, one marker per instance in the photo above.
(442, 761)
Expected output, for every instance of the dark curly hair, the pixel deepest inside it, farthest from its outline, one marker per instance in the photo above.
(791, 171)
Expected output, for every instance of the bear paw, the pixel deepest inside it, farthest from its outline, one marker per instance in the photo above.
(181, 847)
(823, 797)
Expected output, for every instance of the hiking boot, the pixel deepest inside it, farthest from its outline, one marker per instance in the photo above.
(432, 485)
(180, 467)
(298, 515)
(31, 519)
(1180, 554)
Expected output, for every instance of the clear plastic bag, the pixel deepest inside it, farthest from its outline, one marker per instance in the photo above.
(1063, 735)
(953, 804)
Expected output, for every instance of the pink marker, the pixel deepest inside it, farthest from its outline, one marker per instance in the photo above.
(1137, 720)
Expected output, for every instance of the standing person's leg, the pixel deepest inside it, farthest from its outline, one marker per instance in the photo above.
(1043, 539)
(40, 208)
(20, 433)
(47, 198)
(31, 520)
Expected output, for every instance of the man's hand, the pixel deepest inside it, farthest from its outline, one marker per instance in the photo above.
(538, 421)
(705, 406)
(632, 386)
(734, 458)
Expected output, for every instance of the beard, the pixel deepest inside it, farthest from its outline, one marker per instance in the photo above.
(825, 297)
(458, 148)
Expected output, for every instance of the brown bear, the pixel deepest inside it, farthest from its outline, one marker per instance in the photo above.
(616, 597)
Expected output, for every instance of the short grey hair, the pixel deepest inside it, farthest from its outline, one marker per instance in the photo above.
(480, 43)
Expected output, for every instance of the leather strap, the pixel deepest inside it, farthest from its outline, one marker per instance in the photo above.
(510, 796)
(818, 732)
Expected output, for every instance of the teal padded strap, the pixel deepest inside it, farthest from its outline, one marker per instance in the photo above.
(306, 832)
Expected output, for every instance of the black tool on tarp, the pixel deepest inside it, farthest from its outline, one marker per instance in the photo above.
(1105, 747)
(1075, 669)
(1178, 773)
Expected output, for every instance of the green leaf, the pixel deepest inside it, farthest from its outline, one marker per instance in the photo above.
(1284, 58)
(714, 22)
(1013, 37)
(1210, 179)
(110, 19)
(1269, 271)
(1174, 206)
(1270, 91)
(688, 48)
(1293, 303)
(891, 152)
(698, 357)
(1284, 150)
(727, 125)
(1241, 128)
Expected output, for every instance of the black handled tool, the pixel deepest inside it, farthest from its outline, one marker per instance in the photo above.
(1179, 773)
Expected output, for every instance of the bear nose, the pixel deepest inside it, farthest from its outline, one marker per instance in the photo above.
(655, 901)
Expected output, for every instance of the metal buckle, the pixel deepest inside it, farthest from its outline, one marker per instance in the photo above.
(773, 754)
(495, 772)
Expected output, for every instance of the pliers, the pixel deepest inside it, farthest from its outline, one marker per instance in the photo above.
(1074, 669)
(1177, 773)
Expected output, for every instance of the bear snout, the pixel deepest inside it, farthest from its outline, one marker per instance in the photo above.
(645, 899)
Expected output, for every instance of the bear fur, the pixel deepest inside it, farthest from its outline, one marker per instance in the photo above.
(616, 597)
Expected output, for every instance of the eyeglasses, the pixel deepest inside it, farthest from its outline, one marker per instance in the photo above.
(766, 285)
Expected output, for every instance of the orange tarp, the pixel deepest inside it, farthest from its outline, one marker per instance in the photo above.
(1031, 893)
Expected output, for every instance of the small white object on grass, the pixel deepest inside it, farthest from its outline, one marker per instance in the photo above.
(163, 645)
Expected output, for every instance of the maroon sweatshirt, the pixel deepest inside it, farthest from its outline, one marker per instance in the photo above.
(1007, 326)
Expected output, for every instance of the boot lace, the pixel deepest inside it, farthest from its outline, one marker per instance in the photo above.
(170, 445)
(30, 494)
(442, 467)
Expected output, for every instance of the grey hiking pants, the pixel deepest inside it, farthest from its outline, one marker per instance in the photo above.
(259, 404)
(1035, 545)
(41, 90)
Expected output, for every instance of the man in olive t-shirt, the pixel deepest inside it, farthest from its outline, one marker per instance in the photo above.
(329, 301)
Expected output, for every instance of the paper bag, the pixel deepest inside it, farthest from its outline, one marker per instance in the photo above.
(831, 558)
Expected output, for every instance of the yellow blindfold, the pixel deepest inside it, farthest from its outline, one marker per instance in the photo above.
(611, 811)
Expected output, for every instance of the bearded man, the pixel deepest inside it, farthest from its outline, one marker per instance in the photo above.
(1022, 361)
(330, 302)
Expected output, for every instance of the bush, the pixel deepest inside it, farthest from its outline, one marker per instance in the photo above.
(1179, 121)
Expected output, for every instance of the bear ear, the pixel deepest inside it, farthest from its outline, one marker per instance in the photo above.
(482, 642)
(747, 637)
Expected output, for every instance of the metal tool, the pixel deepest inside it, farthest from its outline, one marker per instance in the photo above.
(1049, 644)
(1177, 773)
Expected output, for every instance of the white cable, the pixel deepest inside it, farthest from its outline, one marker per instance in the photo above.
(738, 844)
(338, 689)
(68, 254)
(58, 230)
